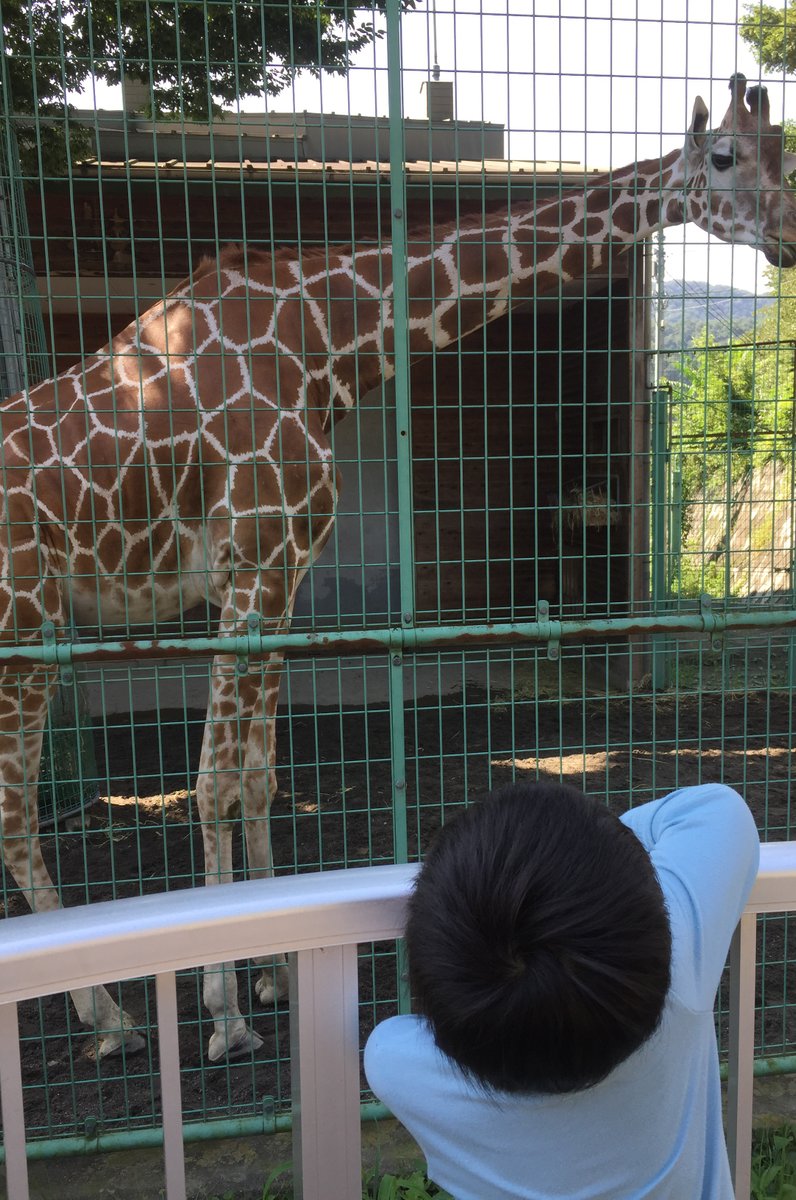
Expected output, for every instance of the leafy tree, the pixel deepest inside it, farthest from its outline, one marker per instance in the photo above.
(714, 418)
(775, 355)
(770, 33)
(197, 56)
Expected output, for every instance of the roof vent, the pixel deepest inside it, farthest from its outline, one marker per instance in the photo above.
(439, 100)
(136, 95)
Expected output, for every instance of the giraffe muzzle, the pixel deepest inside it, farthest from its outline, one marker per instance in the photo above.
(780, 254)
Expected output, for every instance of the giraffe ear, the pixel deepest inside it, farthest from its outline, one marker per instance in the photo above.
(699, 123)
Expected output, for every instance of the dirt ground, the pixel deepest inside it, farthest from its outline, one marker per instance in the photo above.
(334, 810)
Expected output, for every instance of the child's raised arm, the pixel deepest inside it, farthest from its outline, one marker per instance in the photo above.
(705, 848)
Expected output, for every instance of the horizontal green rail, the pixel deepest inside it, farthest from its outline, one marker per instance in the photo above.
(405, 641)
(98, 1141)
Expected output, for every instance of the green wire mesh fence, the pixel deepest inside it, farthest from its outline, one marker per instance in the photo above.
(563, 544)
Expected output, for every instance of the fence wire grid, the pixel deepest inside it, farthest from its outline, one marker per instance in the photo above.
(564, 541)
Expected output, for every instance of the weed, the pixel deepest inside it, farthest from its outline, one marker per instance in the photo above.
(375, 1186)
(774, 1164)
(268, 1186)
(414, 1186)
(773, 1175)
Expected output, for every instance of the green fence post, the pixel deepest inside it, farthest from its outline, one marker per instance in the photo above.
(403, 438)
(67, 773)
(659, 588)
(24, 360)
(675, 523)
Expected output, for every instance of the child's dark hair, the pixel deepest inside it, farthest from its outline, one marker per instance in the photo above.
(538, 941)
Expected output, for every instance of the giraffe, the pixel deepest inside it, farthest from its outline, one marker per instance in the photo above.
(191, 460)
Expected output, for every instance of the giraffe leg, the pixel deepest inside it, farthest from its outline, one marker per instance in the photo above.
(258, 793)
(236, 773)
(23, 712)
(218, 797)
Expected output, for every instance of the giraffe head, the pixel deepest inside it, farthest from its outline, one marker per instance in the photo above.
(735, 176)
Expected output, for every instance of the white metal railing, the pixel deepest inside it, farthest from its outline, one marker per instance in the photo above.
(318, 920)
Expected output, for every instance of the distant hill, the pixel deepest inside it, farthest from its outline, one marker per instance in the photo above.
(728, 312)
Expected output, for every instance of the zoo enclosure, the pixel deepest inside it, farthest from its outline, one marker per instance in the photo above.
(488, 607)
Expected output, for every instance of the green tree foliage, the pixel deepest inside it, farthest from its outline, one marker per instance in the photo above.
(732, 415)
(770, 32)
(714, 418)
(196, 55)
(734, 409)
(776, 360)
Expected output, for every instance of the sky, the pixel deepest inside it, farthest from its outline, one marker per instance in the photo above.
(597, 82)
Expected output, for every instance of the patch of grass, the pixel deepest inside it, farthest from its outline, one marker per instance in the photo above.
(774, 1164)
(773, 1175)
(270, 1184)
(414, 1186)
(375, 1186)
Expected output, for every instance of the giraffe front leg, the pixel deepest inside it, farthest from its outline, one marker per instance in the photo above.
(23, 712)
(114, 1028)
(218, 797)
(258, 793)
(22, 856)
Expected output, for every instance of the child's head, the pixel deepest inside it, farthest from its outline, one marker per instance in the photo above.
(538, 941)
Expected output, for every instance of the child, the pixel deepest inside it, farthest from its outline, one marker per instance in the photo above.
(564, 963)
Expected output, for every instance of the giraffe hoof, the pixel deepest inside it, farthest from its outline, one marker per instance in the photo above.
(245, 1043)
(272, 984)
(113, 1043)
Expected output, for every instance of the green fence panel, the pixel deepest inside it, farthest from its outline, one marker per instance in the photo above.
(564, 536)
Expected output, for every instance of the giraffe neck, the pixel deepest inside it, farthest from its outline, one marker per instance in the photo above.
(463, 275)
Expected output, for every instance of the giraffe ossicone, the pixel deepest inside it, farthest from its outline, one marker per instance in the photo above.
(191, 460)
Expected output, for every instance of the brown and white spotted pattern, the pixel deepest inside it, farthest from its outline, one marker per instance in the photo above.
(191, 460)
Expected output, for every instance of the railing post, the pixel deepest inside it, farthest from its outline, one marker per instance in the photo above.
(170, 1098)
(11, 1105)
(740, 1066)
(324, 1065)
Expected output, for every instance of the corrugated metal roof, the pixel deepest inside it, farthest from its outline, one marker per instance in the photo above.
(468, 171)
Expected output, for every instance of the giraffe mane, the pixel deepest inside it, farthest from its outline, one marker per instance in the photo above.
(239, 257)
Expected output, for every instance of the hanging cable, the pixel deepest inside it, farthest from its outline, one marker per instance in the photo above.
(435, 71)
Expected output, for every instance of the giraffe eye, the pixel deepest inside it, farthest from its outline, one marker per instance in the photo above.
(722, 162)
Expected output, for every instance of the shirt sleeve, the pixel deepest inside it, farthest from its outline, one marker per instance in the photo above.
(397, 1060)
(705, 849)
(380, 1059)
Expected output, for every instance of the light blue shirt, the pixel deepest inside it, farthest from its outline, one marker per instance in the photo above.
(653, 1128)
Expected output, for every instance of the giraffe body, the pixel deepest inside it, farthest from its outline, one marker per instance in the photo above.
(190, 461)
